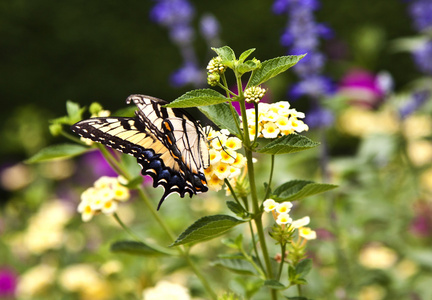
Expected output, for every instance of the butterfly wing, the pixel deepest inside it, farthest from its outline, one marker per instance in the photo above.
(170, 150)
(182, 135)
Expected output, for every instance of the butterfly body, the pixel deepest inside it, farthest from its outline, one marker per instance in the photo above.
(168, 144)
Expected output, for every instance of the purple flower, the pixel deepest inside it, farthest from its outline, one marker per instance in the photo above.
(423, 57)
(172, 12)
(362, 87)
(8, 282)
(314, 86)
(209, 27)
(421, 13)
(319, 117)
(302, 36)
(189, 73)
(416, 101)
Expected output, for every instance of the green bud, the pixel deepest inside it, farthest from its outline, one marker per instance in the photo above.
(254, 94)
(95, 108)
(213, 79)
(55, 129)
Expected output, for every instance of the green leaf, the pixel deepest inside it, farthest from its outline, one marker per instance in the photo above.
(220, 114)
(61, 151)
(245, 54)
(298, 189)
(227, 54)
(238, 266)
(272, 67)
(247, 66)
(135, 183)
(274, 284)
(288, 144)
(74, 112)
(303, 267)
(138, 248)
(296, 298)
(207, 228)
(235, 208)
(196, 98)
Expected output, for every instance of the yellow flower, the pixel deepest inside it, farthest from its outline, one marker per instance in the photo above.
(228, 156)
(222, 171)
(283, 218)
(270, 205)
(284, 207)
(121, 193)
(301, 222)
(270, 130)
(377, 256)
(307, 233)
(233, 143)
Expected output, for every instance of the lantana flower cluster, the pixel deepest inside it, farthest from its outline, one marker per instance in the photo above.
(275, 120)
(280, 212)
(225, 161)
(103, 197)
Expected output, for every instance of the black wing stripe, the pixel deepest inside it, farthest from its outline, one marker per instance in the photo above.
(151, 161)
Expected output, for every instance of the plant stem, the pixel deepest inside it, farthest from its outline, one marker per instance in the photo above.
(123, 225)
(251, 176)
(120, 170)
(271, 177)
(283, 249)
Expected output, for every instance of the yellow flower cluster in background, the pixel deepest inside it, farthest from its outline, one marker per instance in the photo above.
(274, 120)
(280, 212)
(103, 197)
(225, 161)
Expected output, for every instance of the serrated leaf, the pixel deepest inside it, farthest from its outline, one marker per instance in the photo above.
(196, 98)
(245, 54)
(303, 267)
(227, 54)
(272, 67)
(220, 114)
(298, 189)
(207, 228)
(238, 266)
(288, 144)
(274, 284)
(138, 248)
(61, 151)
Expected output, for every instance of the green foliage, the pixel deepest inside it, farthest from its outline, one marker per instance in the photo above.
(62, 151)
(198, 98)
(273, 67)
(299, 189)
(221, 115)
(288, 144)
(138, 248)
(206, 228)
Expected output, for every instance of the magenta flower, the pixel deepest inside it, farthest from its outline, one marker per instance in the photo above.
(8, 282)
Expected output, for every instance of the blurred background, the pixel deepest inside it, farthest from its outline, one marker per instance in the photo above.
(365, 87)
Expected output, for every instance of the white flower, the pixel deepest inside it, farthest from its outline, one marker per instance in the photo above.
(283, 218)
(270, 130)
(284, 207)
(270, 205)
(307, 233)
(222, 170)
(301, 222)
(166, 290)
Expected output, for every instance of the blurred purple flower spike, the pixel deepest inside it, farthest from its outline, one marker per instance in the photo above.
(416, 101)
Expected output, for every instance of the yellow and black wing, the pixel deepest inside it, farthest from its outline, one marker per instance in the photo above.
(169, 145)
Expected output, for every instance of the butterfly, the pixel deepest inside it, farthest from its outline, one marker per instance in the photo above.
(169, 145)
